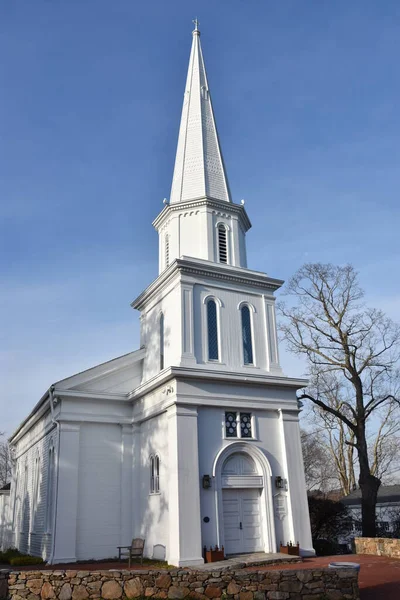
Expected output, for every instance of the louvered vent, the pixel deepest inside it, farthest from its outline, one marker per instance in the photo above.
(167, 251)
(222, 245)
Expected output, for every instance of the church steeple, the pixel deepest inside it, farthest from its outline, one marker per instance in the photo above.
(200, 220)
(199, 167)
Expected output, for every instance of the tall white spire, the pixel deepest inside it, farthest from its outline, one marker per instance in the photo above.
(199, 166)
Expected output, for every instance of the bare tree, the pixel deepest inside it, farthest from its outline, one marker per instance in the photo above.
(345, 341)
(5, 462)
(318, 467)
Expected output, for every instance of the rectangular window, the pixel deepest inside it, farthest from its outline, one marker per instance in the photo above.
(245, 425)
(238, 425)
(231, 424)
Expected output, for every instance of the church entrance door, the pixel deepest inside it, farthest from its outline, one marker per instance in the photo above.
(242, 521)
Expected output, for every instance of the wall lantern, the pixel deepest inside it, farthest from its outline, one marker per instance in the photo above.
(279, 483)
(206, 482)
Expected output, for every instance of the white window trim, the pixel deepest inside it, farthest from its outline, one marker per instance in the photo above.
(167, 250)
(228, 245)
(161, 317)
(254, 433)
(219, 305)
(154, 489)
(24, 496)
(35, 493)
(17, 483)
(50, 490)
(253, 346)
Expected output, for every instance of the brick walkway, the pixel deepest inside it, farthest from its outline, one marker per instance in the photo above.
(379, 576)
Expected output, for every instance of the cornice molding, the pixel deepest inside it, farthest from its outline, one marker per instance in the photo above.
(208, 270)
(220, 205)
(213, 376)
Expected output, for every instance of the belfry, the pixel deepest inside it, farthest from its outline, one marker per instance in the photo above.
(192, 440)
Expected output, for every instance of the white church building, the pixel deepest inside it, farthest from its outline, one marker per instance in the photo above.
(193, 439)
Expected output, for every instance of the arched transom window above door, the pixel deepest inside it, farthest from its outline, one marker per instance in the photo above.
(240, 470)
(239, 464)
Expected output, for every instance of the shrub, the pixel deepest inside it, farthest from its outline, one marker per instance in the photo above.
(326, 547)
(8, 554)
(329, 520)
(23, 560)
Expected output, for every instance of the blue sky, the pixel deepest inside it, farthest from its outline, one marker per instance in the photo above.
(306, 101)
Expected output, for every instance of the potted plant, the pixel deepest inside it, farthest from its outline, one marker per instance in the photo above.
(290, 549)
(213, 554)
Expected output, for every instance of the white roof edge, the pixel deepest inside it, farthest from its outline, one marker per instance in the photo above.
(139, 355)
(136, 355)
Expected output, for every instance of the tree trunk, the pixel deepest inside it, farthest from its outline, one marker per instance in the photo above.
(369, 485)
(369, 492)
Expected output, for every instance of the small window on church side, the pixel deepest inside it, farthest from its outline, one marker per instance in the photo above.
(50, 489)
(238, 425)
(212, 326)
(246, 336)
(167, 251)
(36, 491)
(222, 244)
(154, 474)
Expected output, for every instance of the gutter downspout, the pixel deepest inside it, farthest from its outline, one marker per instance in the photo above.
(52, 402)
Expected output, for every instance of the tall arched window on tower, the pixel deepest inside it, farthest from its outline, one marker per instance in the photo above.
(212, 330)
(246, 336)
(161, 341)
(166, 250)
(222, 244)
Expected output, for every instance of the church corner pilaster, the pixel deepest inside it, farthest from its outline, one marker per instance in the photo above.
(126, 484)
(67, 496)
(187, 326)
(272, 351)
(294, 473)
(184, 486)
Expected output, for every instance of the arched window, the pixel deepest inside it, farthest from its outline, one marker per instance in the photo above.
(222, 244)
(212, 330)
(36, 489)
(161, 341)
(50, 490)
(154, 474)
(246, 336)
(16, 498)
(166, 250)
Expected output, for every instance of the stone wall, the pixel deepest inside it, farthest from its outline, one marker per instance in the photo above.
(378, 546)
(326, 584)
(3, 584)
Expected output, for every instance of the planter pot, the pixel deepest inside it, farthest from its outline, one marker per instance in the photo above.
(213, 554)
(290, 550)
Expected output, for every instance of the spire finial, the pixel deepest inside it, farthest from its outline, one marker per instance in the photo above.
(196, 25)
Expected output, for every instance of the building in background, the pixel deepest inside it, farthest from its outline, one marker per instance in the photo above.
(387, 511)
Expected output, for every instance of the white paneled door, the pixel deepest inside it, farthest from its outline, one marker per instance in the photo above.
(242, 521)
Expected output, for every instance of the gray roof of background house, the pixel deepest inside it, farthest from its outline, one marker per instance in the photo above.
(386, 493)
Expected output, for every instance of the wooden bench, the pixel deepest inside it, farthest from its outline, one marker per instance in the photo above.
(135, 550)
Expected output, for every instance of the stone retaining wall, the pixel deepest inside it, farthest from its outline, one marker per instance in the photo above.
(3, 584)
(378, 546)
(307, 584)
